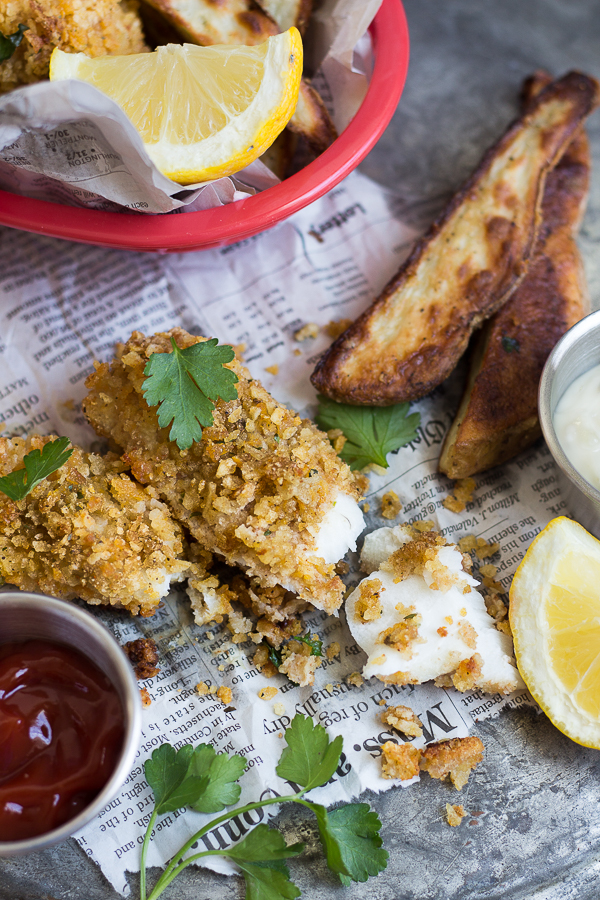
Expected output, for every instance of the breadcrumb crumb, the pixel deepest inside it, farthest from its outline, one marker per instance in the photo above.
(399, 761)
(454, 814)
(310, 330)
(390, 505)
(225, 694)
(143, 656)
(267, 693)
(355, 678)
(146, 698)
(454, 758)
(272, 370)
(333, 650)
(334, 328)
(279, 709)
(403, 719)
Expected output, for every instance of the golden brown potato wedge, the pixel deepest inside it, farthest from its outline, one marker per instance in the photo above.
(289, 12)
(497, 417)
(209, 22)
(311, 119)
(465, 267)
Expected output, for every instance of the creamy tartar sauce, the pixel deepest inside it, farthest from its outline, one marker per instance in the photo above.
(577, 425)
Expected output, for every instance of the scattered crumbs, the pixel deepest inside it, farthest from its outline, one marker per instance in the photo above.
(488, 570)
(210, 635)
(333, 650)
(267, 693)
(297, 351)
(382, 702)
(225, 694)
(368, 606)
(423, 526)
(355, 678)
(272, 370)
(202, 688)
(454, 758)
(333, 329)
(454, 814)
(483, 549)
(366, 506)
(463, 611)
(342, 568)
(221, 668)
(280, 734)
(279, 709)
(403, 719)
(146, 699)
(399, 761)
(504, 626)
(310, 330)
(390, 505)
(337, 438)
(329, 688)
(467, 543)
(143, 656)
(461, 495)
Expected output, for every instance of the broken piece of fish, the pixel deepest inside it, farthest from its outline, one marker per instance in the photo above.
(263, 489)
(418, 616)
(498, 415)
(465, 267)
(88, 532)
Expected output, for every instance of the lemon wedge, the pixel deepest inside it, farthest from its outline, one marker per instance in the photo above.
(202, 112)
(555, 621)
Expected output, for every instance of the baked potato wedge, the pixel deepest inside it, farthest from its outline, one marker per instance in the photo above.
(498, 417)
(209, 22)
(289, 12)
(466, 266)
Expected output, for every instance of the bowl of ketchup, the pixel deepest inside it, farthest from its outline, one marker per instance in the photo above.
(70, 720)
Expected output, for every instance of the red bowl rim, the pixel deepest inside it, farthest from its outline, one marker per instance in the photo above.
(244, 218)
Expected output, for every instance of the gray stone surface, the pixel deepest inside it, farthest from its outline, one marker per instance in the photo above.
(534, 828)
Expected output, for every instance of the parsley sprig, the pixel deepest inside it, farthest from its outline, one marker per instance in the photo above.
(10, 42)
(186, 384)
(198, 777)
(38, 465)
(371, 432)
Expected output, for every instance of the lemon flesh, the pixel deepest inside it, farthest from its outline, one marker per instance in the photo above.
(555, 620)
(202, 112)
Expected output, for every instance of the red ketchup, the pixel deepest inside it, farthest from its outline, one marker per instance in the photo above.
(61, 734)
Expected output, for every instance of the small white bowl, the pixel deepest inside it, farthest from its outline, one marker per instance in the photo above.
(25, 616)
(577, 351)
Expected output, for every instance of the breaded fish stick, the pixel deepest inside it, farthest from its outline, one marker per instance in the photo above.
(263, 489)
(88, 531)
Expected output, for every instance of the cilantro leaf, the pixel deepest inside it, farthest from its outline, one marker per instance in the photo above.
(310, 758)
(371, 432)
(167, 774)
(185, 385)
(350, 838)
(222, 789)
(10, 42)
(268, 881)
(38, 465)
(264, 844)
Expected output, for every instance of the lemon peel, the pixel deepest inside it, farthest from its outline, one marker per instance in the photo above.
(202, 112)
(555, 621)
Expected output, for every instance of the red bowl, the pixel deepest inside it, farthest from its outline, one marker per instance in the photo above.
(244, 218)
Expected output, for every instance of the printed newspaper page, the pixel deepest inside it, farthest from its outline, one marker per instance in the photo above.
(65, 305)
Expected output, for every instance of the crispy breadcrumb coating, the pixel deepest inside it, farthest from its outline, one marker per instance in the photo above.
(399, 761)
(93, 27)
(454, 758)
(88, 531)
(403, 719)
(143, 656)
(254, 490)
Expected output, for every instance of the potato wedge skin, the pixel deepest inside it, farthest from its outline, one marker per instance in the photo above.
(465, 267)
(205, 22)
(497, 417)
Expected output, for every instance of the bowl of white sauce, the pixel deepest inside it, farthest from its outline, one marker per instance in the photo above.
(569, 409)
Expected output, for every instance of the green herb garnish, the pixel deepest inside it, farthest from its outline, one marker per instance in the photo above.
(316, 648)
(38, 465)
(511, 345)
(187, 383)
(371, 432)
(192, 776)
(10, 42)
